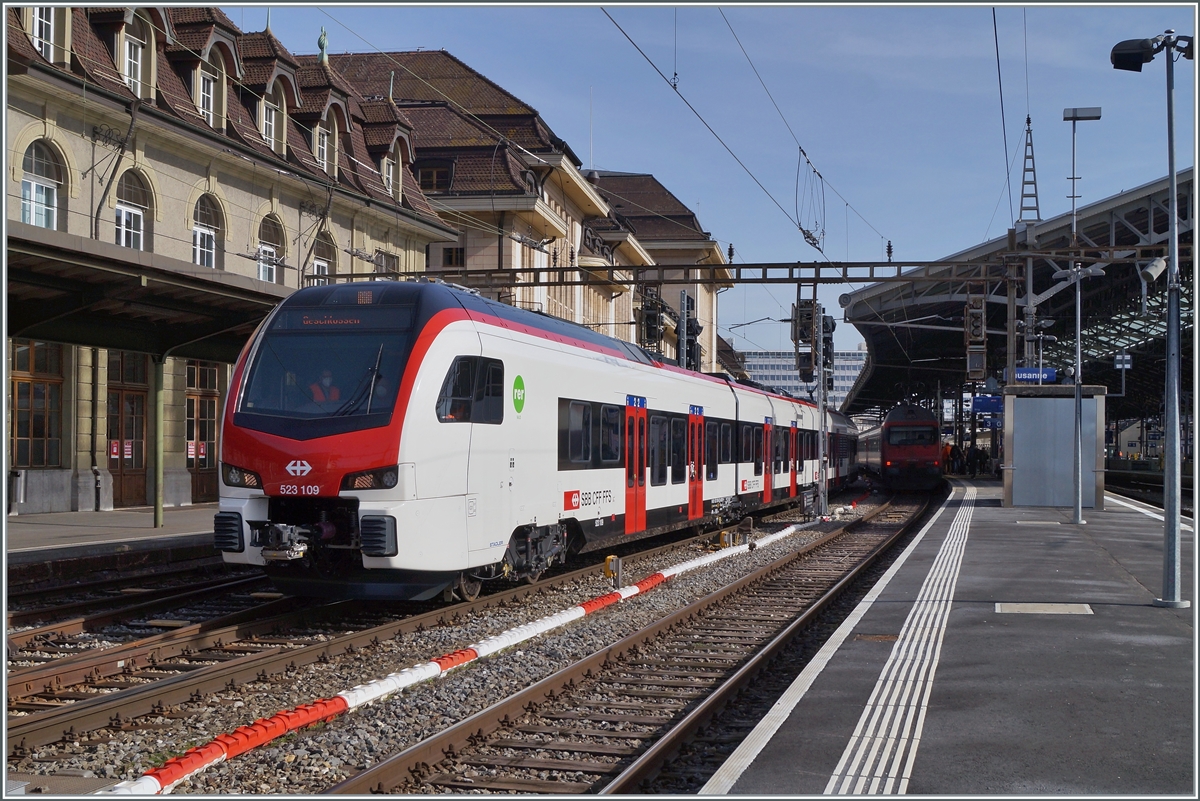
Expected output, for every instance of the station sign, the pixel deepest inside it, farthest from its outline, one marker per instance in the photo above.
(988, 404)
(1031, 374)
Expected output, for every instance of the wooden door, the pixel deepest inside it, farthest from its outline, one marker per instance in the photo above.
(127, 446)
(202, 447)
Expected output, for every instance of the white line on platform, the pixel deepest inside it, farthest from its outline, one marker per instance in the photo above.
(880, 755)
(727, 775)
(1146, 512)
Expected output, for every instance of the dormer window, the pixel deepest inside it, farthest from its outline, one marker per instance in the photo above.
(208, 84)
(272, 120)
(434, 179)
(321, 148)
(389, 168)
(389, 174)
(43, 31)
(135, 50)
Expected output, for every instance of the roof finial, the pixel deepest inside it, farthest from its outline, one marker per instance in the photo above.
(322, 41)
(268, 19)
(391, 83)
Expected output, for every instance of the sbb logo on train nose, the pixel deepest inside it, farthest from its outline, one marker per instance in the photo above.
(571, 500)
(298, 467)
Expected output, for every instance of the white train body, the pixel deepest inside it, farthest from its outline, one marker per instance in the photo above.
(513, 440)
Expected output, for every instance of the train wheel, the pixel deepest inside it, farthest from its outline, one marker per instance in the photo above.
(467, 587)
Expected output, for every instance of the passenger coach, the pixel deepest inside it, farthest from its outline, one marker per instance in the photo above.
(401, 439)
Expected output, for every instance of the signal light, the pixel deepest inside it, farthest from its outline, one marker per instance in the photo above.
(975, 322)
(379, 478)
(240, 477)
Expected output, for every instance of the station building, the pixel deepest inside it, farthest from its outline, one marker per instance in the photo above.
(170, 179)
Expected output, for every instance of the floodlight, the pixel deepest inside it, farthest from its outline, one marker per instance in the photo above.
(1131, 54)
(1153, 270)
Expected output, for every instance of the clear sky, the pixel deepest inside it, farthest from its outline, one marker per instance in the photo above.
(898, 107)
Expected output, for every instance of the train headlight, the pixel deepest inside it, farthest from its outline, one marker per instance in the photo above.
(379, 478)
(240, 477)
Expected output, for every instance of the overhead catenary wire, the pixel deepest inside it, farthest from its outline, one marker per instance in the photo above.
(1003, 124)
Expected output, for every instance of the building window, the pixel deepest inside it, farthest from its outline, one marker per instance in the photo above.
(40, 187)
(268, 129)
(132, 202)
(206, 224)
(434, 179)
(207, 96)
(270, 248)
(454, 257)
(387, 169)
(43, 31)
(387, 263)
(324, 260)
(135, 51)
(321, 148)
(36, 436)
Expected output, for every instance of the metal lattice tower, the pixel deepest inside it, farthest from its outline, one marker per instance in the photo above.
(1029, 198)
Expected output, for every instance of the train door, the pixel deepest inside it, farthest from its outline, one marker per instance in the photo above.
(635, 464)
(695, 459)
(768, 454)
(791, 457)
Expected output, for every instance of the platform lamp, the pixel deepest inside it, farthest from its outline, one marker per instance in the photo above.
(1131, 55)
(1076, 273)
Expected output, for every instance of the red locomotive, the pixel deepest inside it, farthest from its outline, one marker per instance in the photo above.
(905, 450)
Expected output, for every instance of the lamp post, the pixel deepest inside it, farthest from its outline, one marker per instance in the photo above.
(1131, 55)
(1076, 273)
(1075, 115)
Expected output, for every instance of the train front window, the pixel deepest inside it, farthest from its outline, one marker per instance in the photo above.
(338, 375)
(912, 435)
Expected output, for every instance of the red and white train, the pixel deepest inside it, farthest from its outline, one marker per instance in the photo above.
(905, 450)
(397, 440)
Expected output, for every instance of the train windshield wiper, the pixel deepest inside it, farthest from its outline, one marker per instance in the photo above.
(365, 388)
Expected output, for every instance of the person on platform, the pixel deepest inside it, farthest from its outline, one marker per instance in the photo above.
(946, 450)
(956, 460)
(323, 389)
(973, 454)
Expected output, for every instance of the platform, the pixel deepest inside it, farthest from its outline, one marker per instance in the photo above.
(1008, 652)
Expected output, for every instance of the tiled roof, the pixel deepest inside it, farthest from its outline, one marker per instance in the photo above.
(313, 73)
(264, 45)
(414, 200)
(646, 202)
(241, 120)
(486, 171)
(379, 136)
(427, 75)
(18, 40)
(174, 92)
(94, 57)
(442, 127)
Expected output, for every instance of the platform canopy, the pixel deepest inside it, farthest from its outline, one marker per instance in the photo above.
(64, 288)
(914, 332)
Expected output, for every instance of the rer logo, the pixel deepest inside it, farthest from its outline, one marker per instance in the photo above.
(570, 500)
(518, 394)
(298, 467)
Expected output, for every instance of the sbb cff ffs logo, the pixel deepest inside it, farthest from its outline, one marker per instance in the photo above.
(570, 500)
(298, 467)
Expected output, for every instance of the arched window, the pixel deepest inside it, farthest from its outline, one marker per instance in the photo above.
(40, 187)
(210, 90)
(133, 203)
(273, 118)
(270, 248)
(206, 233)
(136, 63)
(390, 168)
(324, 260)
(325, 136)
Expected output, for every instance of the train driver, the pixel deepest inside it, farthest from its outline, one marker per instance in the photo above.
(323, 389)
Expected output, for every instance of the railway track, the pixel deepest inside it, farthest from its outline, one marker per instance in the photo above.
(609, 722)
(73, 694)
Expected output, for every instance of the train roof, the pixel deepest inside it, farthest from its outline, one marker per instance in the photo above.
(909, 413)
(432, 296)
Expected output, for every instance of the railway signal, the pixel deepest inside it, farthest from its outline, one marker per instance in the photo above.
(975, 322)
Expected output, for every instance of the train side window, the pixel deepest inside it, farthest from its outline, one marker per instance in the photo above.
(579, 432)
(711, 448)
(756, 440)
(747, 439)
(726, 443)
(489, 393)
(610, 433)
(454, 401)
(777, 441)
(678, 451)
(630, 463)
(659, 450)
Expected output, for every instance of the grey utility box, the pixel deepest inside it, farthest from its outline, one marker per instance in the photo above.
(1039, 445)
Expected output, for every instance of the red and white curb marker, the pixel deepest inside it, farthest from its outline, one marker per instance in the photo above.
(227, 746)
